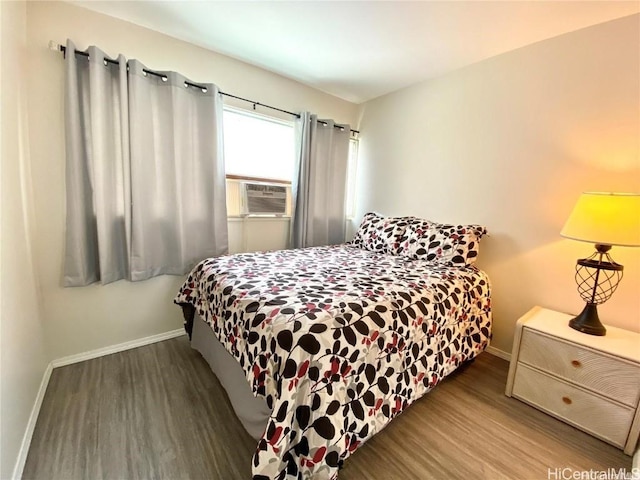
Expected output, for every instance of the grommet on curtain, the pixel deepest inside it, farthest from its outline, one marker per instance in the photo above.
(164, 78)
(105, 63)
(186, 85)
(144, 73)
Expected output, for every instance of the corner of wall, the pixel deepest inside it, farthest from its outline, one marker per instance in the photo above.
(23, 356)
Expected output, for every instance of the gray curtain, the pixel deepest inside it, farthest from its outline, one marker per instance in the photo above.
(96, 135)
(179, 206)
(145, 172)
(319, 182)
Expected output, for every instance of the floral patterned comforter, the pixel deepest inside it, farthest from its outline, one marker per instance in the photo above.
(338, 340)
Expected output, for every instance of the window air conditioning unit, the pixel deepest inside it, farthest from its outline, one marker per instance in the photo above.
(263, 199)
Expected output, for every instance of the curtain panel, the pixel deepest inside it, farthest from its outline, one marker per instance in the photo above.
(319, 182)
(179, 208)
(145, 171)
(97, 157)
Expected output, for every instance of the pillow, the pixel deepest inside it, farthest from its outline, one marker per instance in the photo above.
(381, 234)
(417, 228)
(443, 244)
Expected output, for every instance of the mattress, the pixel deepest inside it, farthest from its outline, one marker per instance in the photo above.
(337, 341)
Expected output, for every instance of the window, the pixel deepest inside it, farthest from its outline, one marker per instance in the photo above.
(258, 146)
(262, 148)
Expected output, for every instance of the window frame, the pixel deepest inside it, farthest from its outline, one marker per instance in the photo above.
(352, 176)
(352, 167)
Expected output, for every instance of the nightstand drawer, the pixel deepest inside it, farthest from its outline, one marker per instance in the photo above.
(609, 376)
(585, 410)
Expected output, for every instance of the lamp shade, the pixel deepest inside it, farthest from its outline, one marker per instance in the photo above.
(605, 219)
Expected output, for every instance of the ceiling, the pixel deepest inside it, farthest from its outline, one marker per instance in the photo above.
(358, 50)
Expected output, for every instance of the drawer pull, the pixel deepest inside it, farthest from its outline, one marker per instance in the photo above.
(566, 400)
(576, 363)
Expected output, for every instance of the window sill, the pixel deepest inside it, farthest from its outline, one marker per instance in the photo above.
(230, 176)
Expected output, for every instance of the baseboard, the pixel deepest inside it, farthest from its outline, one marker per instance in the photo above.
(499, 353)
(80, 357)
(101, 352)
(31, 425)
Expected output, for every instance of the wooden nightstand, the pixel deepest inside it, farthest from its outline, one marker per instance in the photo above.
(590, 382)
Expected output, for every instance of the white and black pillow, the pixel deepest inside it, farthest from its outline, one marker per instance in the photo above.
(382, 234)
(416, 229)
(443, 244)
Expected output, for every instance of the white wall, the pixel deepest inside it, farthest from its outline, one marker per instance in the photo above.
(23, 359)
(81, 319)
(510, 143)
(252, 234)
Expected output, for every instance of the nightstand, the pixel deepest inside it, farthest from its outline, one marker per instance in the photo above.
(590, 382)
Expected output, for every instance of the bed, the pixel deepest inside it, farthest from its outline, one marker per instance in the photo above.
(320, 348)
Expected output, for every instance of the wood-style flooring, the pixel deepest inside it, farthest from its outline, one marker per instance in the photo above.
(157, 412)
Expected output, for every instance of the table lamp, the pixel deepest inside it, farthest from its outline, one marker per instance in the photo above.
(605, 219)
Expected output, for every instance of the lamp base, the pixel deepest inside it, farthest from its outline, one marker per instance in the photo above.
(588, 321)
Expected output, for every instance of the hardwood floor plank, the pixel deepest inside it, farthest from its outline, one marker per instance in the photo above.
(157, 412)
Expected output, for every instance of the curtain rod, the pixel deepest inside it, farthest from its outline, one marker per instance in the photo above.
(63, 49)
